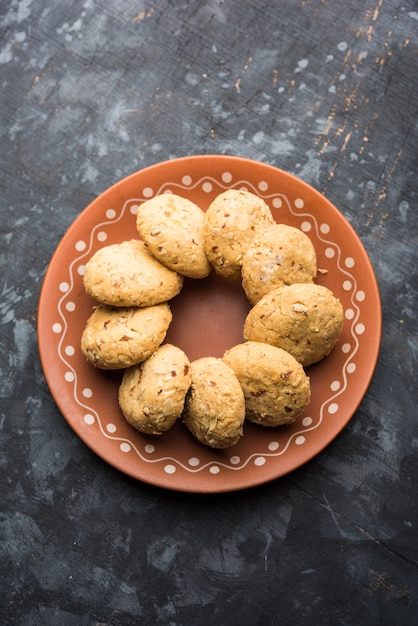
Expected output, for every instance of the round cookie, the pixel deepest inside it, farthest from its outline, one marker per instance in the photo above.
(304, 319)
(276, 388)
(126, 274)
(118, 337)
(230, 224)
(151, 395)
(214, 409)
(172, 228)
(278, 255)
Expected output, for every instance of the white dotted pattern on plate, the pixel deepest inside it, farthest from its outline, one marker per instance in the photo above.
(149, 453)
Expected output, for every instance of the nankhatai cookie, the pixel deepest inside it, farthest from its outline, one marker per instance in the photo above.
(151, 394)
(275, 385)
(126, 274)
(303, 319)
(172, 228)
(214, 409)
(118, 337)
(231, 221)
(277, 255)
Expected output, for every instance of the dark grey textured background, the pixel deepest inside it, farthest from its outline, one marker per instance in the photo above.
(94, 90)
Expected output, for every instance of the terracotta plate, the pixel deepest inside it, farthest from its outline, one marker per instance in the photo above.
(208, 317)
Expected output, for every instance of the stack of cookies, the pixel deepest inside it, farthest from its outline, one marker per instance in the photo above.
(293, 321)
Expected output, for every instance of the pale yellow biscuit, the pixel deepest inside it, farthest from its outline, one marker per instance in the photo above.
(278, 255)
(172, 228)
(151, 395)
(126, 274)
(214, 409)
(231, 221)
(276, 387)
(117, 337)
(304, 319)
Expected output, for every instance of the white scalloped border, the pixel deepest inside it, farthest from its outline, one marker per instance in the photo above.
(170, 463)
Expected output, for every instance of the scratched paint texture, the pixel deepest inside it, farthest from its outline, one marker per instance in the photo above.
(94, 90)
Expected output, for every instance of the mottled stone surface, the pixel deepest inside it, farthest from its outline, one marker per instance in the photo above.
(92, 91)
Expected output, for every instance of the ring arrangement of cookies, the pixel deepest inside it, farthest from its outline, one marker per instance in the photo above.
(293, 322)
